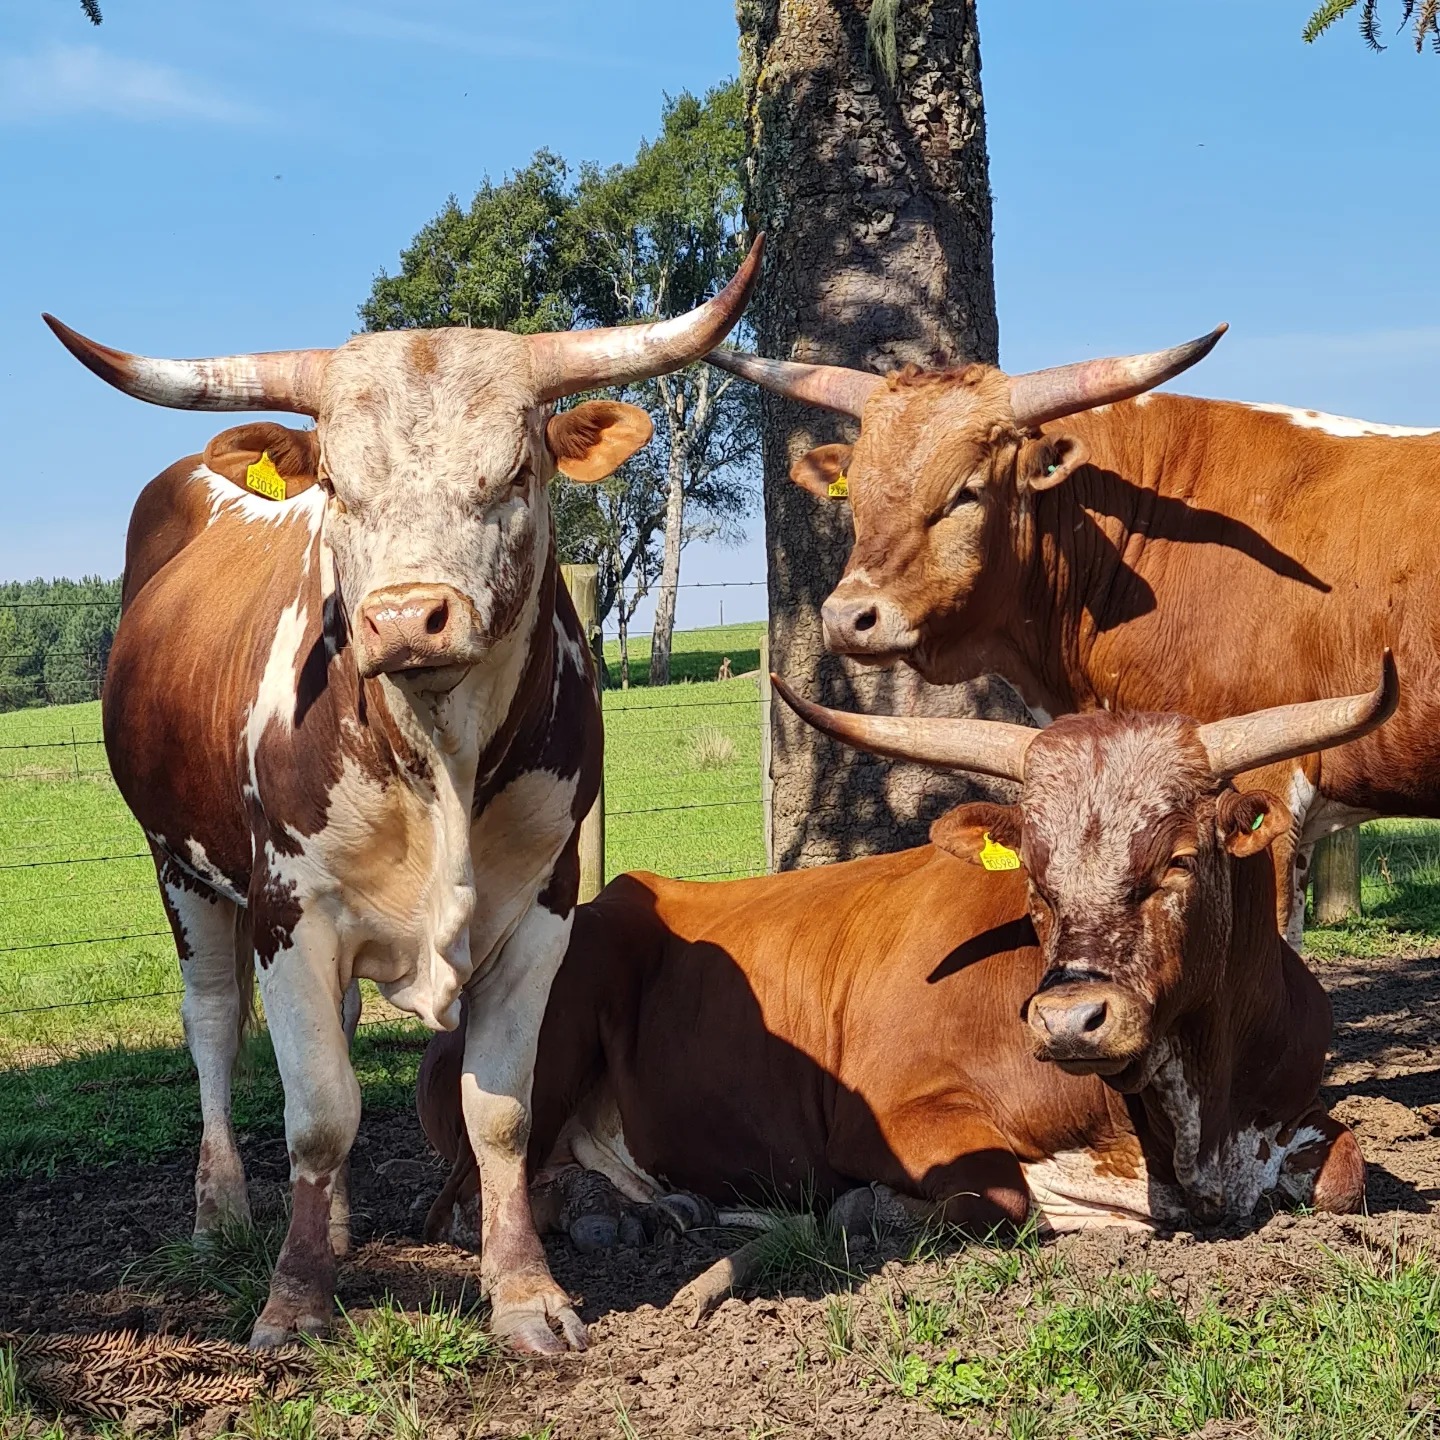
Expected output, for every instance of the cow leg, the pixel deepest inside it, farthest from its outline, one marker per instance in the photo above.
(340, 1199)
(204, 925)
(1323, 1166)
(507, 1004)
(303, 1004)
(1292, 879)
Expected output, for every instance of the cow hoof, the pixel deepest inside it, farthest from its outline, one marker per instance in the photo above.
(274, 1332)
(853, 1213)
(591, 1233)
(527, 1330)
(686, 1211)
(632, 1232)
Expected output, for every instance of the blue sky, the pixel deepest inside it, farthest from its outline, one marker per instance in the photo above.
(194, 178)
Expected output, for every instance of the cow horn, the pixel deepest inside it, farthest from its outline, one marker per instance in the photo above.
(278, 380)
(988, 747)
(569, 361)
(1246, 742)
(831, 387)
(1045, 395)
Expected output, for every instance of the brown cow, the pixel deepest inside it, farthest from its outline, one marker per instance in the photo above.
(1160, 553)
(880, 1020)
(351, 705)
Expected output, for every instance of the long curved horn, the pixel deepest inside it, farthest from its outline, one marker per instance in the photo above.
(831, 387)
(988, 747)
(275, 380)
(568, 361)
(1048, 394)
(1246, 742)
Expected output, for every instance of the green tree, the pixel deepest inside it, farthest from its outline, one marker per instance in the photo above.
(1422, 17)
(651, 239)
(494, 265)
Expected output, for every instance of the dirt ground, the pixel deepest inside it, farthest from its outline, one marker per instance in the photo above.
(66, 1242)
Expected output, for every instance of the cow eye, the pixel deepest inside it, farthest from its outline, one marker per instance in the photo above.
(521, 478)
(1180, 865)
(967, 495)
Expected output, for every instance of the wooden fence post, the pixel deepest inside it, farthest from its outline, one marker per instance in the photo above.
(767, 785)
(1335, 875)
(582, 581)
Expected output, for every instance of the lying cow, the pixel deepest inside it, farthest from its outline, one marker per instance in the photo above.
(880, 1020)
(352, 707)
(1151, 553)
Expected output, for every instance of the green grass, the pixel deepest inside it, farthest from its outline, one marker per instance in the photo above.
(1400, 892)
(1350, 1350)
(694, 655)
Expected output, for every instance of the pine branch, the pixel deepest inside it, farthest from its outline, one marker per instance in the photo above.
(1325, 17)
(92, 11)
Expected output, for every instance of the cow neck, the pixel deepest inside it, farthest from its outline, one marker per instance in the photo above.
(1078, 549)
(1245, 1063)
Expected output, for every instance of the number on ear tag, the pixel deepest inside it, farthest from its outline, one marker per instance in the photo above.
(263, 478)
(839, 487)
(995, 856)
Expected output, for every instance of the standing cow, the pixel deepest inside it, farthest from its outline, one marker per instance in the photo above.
(1154, 553)
(351, 705)
(879, 1021)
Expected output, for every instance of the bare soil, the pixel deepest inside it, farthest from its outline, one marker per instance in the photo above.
(758, 1365)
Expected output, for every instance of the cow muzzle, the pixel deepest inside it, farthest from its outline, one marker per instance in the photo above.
(1089, 1027)
(866, 627)
(407, 629)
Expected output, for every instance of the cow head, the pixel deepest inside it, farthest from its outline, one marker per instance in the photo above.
(945, 468)
(435, 448)
(1129, 829)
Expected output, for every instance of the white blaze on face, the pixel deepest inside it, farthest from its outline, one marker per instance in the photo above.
(435, 449)
(1342, 426)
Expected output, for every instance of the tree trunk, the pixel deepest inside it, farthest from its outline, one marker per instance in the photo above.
(876, 206)
(670, 566)
(622, 627)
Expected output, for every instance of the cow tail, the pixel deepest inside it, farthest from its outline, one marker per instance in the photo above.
(245, 971)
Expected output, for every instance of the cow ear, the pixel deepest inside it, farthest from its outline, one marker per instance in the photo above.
(984, 834)
(824, 472)
(594, 439)
(1051, 460)
(1249, 822)
(266, 459)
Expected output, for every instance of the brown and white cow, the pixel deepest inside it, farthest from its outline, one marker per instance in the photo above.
(879, 1021)
(1157, 553)
(351, 705)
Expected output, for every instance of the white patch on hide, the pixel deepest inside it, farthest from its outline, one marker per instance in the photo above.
(1342, 426)
(1067, 1192)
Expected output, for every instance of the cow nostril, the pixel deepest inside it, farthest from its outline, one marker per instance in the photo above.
(436, 620)
(1095, 1019)
(866, 619)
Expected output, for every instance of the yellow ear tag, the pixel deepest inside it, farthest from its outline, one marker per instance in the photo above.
(995, 856)
(263, 478)
(839, 488)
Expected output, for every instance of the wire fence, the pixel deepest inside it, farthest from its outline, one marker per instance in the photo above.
(86, 956)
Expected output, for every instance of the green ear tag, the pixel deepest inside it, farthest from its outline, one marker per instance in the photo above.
(995, 856)
(1258, 821)
(1051, 469)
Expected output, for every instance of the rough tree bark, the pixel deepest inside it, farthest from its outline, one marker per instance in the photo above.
(876, 204)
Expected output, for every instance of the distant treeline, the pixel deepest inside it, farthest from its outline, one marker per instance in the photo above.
(55, 639)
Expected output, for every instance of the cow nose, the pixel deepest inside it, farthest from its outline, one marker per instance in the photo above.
(865, 626)
(413, 627)
(1073, 1022)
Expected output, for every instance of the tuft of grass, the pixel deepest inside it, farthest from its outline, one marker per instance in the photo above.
(233, 1263)
(711, 748)
(1351, 1353)
(268, 1419)
(446, 1342)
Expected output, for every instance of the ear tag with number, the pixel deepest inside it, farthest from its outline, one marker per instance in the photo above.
(995, 856)
(263, 478)
(839, 487)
